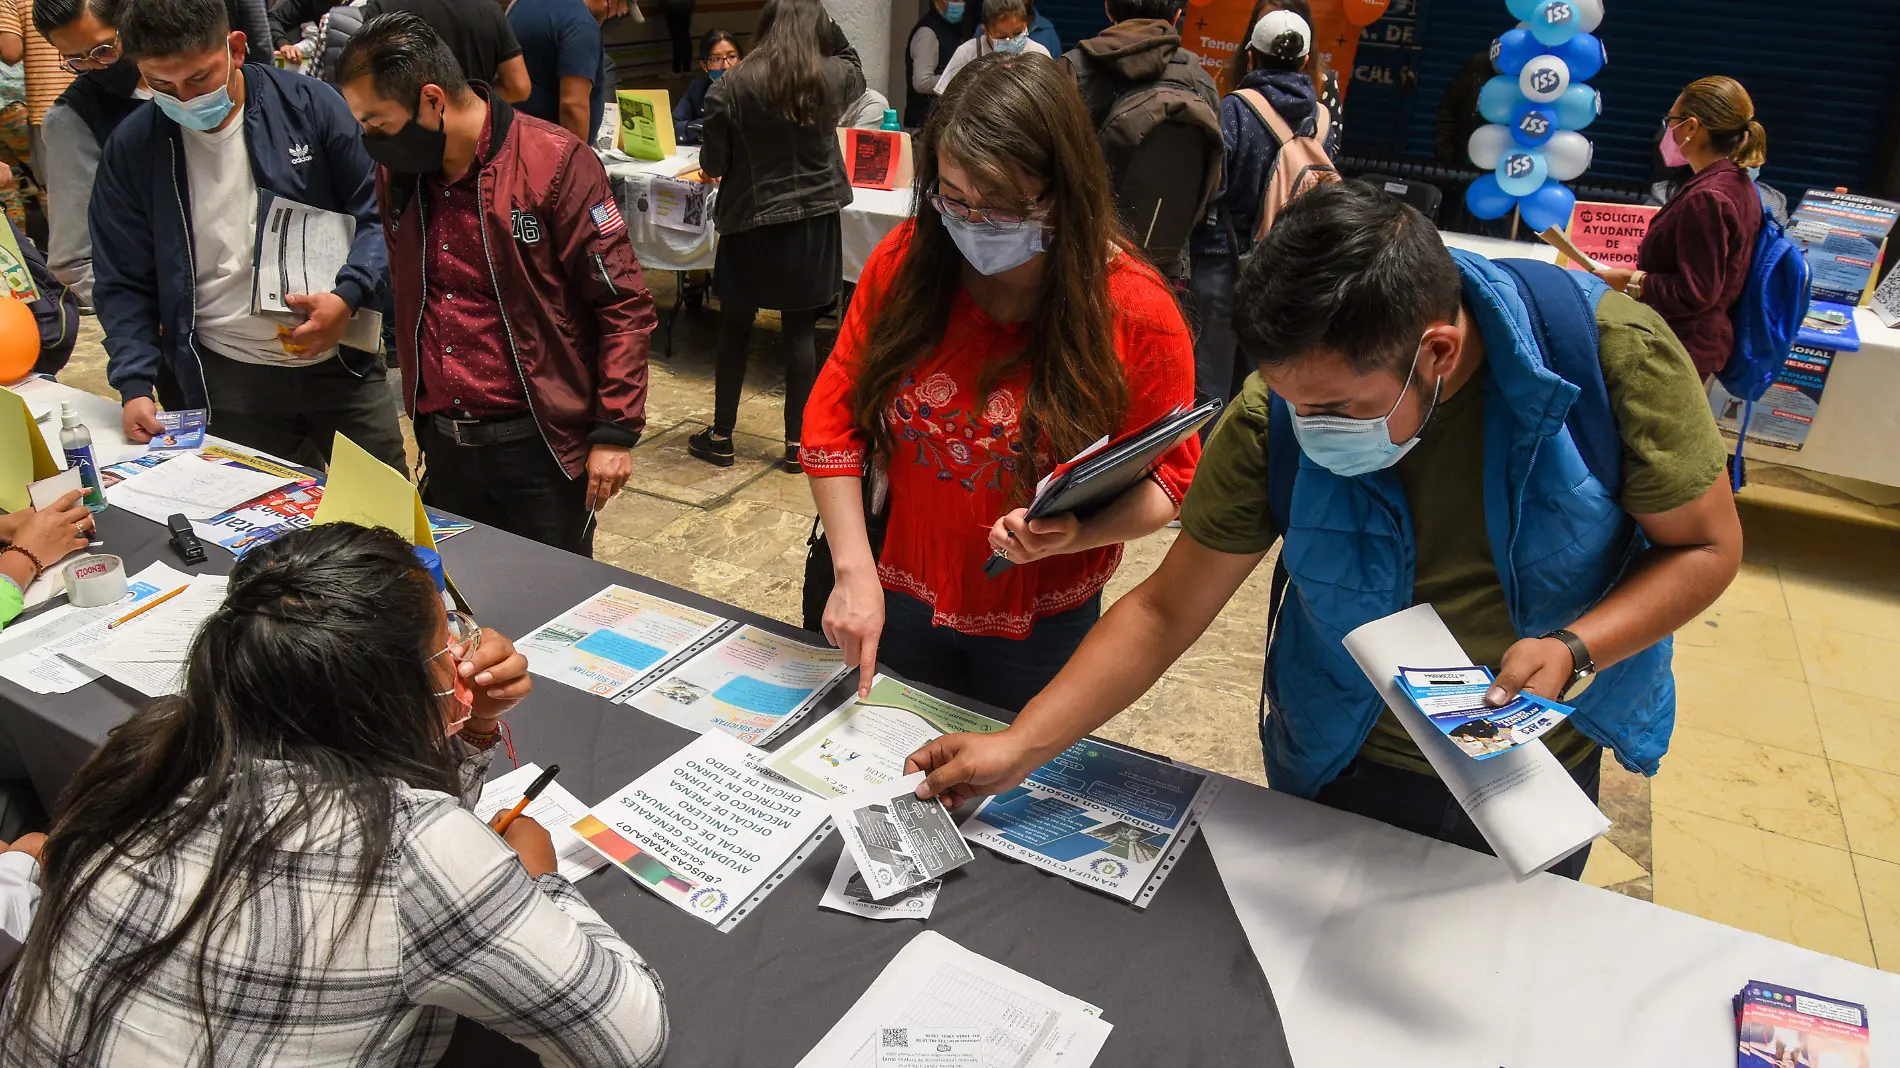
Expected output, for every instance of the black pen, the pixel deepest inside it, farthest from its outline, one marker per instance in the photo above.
(534, 790)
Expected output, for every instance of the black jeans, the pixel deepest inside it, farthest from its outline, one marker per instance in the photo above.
(1422, 804)
(801, 364)
(1219, 370)
(296, 412)
(517, 486)
(1005, 672)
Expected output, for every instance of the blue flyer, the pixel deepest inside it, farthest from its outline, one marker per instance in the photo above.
(1453, 700)
(184, 431)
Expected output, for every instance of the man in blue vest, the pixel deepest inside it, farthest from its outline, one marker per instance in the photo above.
(1520, 448)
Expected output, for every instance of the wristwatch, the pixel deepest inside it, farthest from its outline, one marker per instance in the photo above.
(1581, 665)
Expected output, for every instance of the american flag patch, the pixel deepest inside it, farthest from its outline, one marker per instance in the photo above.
(607, 218)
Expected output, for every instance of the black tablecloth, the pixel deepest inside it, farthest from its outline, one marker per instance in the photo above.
(1178, 981)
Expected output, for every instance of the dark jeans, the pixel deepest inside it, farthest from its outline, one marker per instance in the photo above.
(1219, 370)
(296, 412)
(1005, 672)
(801, 364)
(679, 26)
(517, 486)
(1421, 804)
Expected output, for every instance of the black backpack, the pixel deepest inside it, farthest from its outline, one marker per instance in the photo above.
(1163, 143)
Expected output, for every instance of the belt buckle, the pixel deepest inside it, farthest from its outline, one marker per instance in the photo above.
(456, 425)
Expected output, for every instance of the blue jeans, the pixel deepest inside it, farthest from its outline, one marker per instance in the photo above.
(1004, 672)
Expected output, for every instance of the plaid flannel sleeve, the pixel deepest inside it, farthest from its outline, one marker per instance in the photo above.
(526, 957)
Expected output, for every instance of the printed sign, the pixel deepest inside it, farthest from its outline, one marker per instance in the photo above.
(1608, 233)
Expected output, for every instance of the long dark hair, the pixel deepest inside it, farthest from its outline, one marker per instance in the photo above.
(787, 65)
(1239, 65)
(1007, 115)
(314, 671)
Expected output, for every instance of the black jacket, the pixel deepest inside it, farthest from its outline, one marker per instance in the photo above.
(1458, 116)
(771, 171)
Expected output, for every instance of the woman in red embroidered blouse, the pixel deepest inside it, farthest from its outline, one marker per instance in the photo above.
(1002, 332)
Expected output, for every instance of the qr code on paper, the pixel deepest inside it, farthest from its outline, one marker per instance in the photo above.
(895, 1038)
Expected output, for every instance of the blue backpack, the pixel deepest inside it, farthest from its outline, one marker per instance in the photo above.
(1767, 317)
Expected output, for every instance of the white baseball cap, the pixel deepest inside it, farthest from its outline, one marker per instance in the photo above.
(1281, 34)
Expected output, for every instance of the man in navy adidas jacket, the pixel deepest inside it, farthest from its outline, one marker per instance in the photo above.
(175, 214)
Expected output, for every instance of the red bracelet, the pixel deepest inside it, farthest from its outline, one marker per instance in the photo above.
(38, 568)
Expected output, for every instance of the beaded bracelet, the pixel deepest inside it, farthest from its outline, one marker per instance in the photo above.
(38, 568)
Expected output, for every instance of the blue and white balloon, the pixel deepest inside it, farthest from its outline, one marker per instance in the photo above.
(1522, 171)
(1569, 154)
(1486, 200)
(1548, 205)
(1522, 9)
(1543, 79)
(1488, 145)
(1583, 54)
(1578, 107)
(1589, 14)
(1510, 52)
(1533, 124)
(1500, 98)
(1554, 22)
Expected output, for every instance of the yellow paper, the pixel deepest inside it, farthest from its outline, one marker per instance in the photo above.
(646, 123)
(362, 489)
(24, 457)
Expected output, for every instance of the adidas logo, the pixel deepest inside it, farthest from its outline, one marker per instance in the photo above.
(299, 154)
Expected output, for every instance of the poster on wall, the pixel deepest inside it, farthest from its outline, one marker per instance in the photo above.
(1785, 414)
(1216, 29)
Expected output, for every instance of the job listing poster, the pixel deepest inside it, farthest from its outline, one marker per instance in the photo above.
(1785, 414)
(752, 684)
(863, 745)
(1098, 815)
(707, 828)
(609, 642)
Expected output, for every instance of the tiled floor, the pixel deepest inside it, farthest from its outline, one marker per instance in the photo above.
(1778, 806)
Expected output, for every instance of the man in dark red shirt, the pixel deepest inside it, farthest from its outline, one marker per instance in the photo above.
(522, 321)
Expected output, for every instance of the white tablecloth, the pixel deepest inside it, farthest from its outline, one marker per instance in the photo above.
(1856, 433)
(1387, 948)
(872, 214)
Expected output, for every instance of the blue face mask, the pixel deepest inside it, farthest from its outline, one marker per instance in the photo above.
(716, 73)
(1010, 45)
(1754, 173)
(1353, 447)
(200, 113)
(992, 250)
(954, 10)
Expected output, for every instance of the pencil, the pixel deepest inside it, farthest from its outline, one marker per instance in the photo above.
(534, 790)
(146, 607)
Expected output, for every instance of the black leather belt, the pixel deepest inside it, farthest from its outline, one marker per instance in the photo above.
(474, 433)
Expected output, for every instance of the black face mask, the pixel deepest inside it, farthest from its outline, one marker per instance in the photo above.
(414, 149)
(120, 79)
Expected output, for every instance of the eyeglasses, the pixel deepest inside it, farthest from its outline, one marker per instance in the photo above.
(99, 57)
(950, 207)
(1671, 120)
(465, 636)
(722, 62)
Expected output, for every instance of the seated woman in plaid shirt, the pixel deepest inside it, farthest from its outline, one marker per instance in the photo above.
(276, 867)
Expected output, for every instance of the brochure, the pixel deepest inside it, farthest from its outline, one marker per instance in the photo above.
(707, 829)
(1785, 414)
(183, 432)
(610, 642)
(863, 745)
(1453, 700)
(1099, 815)
(1843, 236)
(847, 892)
(1781, 1028)
(269, 517)
(898, 840)
(752, 684)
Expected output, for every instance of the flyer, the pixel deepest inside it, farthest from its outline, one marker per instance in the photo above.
(275, 514)
(183, 431)
(847, 892)
(707, 829)
(1099, 815)
(1843, 236)
(612, 640)
(752, 684)
(1786, 413)
(897, 839)
(1777, 1027)
(863, 745)
(1453, 700)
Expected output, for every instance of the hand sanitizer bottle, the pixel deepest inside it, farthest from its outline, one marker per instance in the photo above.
(76, 440)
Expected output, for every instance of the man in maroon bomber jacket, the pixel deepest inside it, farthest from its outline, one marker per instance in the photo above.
(522, 321)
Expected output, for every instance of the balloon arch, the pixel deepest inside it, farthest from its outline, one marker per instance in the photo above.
(1535, 109)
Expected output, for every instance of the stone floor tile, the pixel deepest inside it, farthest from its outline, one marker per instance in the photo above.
(1750, 784)
(1859, 730)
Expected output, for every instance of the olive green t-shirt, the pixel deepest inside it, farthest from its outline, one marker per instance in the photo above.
(1672, 454)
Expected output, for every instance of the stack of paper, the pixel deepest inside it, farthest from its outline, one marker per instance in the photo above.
(147, 652)
(935, 991)
(1781, 1028)
(189, 483)
(26, 654)
(752, 684)
(556, 809)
